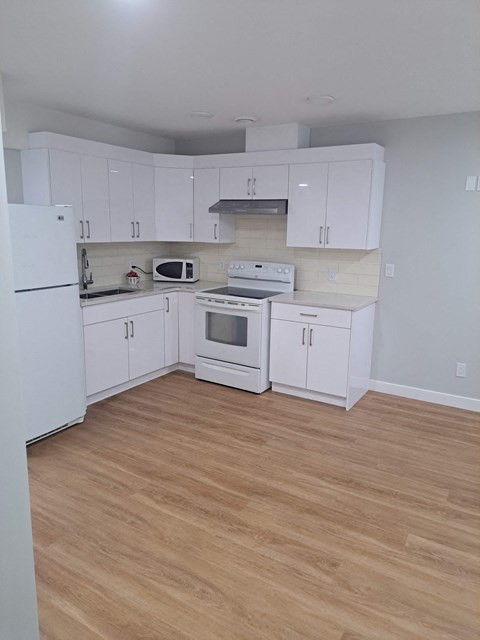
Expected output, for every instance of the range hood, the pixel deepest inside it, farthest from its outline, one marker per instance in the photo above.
(265, 207)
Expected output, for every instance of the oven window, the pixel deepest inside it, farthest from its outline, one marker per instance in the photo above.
(227, 329)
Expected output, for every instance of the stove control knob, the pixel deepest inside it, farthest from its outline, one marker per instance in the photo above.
(231, 266)
(237, 266)
(286, 271)
(279, 270)
(242, 266)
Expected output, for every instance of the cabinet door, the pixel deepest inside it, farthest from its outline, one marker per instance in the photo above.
(174, 204)
(106, 354)
(209, 227)
(348, 204)
(144, 201)
(288, 353)
(236, 183)
(186, 312)
(307, 205)
(121, 201)
(96, 206)
(328, 355)
(66, 185)
(146, 343)
(171, 328)
(270, 183)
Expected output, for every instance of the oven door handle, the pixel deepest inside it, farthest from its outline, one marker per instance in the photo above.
(227, 306)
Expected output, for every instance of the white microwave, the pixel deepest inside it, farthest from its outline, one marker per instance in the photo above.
(176, 269)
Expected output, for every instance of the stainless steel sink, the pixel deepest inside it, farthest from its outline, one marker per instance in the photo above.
(107, 292)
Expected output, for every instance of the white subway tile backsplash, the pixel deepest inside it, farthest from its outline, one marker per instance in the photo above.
(358, 272)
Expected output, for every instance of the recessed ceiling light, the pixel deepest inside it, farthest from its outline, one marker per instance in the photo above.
(246, 120)
(201, 114)
(322, 100)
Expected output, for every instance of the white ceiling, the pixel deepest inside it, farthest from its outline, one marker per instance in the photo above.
(146, 64)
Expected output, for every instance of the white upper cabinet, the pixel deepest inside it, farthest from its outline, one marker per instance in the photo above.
(174, 204)
(270, 182)
(336, 205)
(96, 209)
(144, 201)
(307, 205)
(120, 183)
(236, 183)
(257, 183)
(132, 201)
(66, 184)
(209, 227)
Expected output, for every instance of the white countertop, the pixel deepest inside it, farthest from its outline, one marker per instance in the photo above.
(148, 288)
(328, 300)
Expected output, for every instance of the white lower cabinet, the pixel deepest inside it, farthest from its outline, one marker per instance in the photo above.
(171, 328)
(145, 345)
(106, 355)
(124, 340)
(186, 313)
(321, 354)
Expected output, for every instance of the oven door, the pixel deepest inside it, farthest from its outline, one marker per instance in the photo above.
(228, 331)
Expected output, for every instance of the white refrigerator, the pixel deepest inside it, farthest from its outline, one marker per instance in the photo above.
(52, 360)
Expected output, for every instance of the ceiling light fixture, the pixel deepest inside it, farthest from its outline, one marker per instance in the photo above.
(323, 100)
(205, 115)
(245, 120)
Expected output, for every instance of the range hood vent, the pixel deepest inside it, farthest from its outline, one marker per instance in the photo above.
(249, 207)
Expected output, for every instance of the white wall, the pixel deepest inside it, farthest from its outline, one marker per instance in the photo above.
(428, 317)
(18, 610)
(23, 117)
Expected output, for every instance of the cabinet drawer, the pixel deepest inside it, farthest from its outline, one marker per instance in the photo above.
(121, 309)
(312, 315)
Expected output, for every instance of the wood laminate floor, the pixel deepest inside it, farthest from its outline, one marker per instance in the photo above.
(184, 510)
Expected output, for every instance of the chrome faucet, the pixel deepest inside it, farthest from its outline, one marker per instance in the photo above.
(85, 280)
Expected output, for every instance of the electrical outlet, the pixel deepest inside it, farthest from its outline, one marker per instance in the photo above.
(389, 270)
(130, 263)
(221, 265)
(332, 274)
(461, 370)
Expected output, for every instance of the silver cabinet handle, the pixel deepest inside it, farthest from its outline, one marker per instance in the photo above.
(88, 228)
(321, 234)
(303, 335)
(249, 182)
(133, 229)
(328, 233)
(167, 299)
(310, 342)
(215, 227)
(126, 330)
(191, 229)
(309, 315)
(254, 186)
(132, 331)
(82, 232)
(138, 230)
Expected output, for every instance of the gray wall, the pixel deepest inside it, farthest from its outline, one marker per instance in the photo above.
(22, 117)
(13, 171)
(18, 610)
(230, 143)
(428, 317)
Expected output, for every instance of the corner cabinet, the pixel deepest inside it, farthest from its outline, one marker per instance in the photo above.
(174, 204)
(209, 227)
(335, 205)
(321, 354)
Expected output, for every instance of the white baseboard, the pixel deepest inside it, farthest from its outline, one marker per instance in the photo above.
(447, 399)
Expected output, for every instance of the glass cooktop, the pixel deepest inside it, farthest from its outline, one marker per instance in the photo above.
(243, 292)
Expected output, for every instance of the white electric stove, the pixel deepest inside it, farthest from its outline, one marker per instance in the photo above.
(232, 324)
